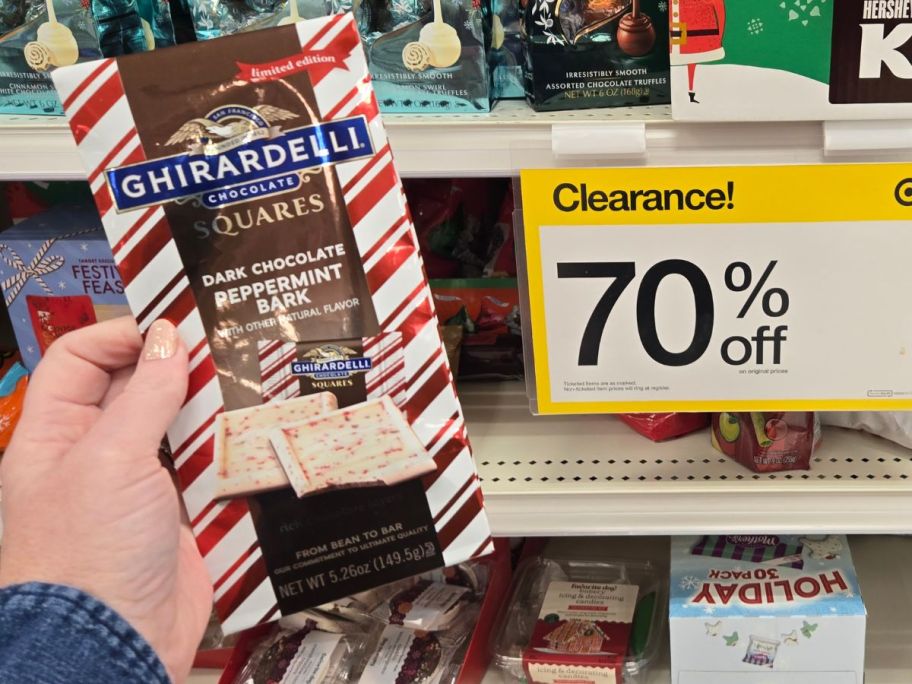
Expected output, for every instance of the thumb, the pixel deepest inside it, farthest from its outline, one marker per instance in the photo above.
(136, 420)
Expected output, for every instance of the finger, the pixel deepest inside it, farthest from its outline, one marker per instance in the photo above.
(135, 421)
(78, 366)
(119, 380)
(69, 383)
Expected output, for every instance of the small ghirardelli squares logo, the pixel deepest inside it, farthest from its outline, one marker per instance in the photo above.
(331, 361)
(871, 57)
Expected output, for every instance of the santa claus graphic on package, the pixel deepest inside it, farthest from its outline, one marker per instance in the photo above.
(696, 28)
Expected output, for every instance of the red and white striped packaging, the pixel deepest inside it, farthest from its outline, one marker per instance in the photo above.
(218, 168)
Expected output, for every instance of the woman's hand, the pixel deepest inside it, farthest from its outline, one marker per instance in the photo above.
(86, 501)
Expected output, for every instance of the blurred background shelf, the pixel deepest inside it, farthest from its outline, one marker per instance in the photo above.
(592, 475)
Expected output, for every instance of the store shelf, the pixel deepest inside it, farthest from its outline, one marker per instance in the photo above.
(884, 566)
(588, 475)
(510, 138)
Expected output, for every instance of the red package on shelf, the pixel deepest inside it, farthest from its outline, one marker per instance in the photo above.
(767, 442)
(53, 317)
(661, 426)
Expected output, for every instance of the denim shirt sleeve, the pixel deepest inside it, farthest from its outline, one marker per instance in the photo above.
(51, 634)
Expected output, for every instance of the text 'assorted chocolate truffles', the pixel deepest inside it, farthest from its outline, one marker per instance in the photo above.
(579, 54)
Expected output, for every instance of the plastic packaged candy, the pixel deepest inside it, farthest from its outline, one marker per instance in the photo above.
(294, 653)
(662, 426)
(55, 33)
(214, 18)
(405, 656)
(767, 442)
(424, 56)
(570, 620)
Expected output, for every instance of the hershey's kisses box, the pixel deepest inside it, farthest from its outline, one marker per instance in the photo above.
(58, 274)
(765, 609)
(772, 60)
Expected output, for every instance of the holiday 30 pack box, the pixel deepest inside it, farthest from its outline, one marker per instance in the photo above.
(773, 60)
(253, 201)
(765, 609)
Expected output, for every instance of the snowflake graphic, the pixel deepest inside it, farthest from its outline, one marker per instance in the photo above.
(803, 13)
(62, 285)
(689, 582)
(662, 5)
(709, 610)
(29, 245)
(468, 24)
(23, 320)
(755, 26)
(84, 247)
(30, 349)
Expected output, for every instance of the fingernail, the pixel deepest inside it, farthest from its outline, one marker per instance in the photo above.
(161, 341)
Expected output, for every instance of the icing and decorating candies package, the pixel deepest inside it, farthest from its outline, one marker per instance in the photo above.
(253, 201)
(575, 620)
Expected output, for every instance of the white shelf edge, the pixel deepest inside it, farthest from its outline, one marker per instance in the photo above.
(511, 138)
(592, 475)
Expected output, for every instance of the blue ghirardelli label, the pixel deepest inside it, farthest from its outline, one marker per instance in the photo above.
(334, 368)
(244, 159)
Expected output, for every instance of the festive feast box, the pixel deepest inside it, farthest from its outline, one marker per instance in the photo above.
(253, 201)
(765, 609)
(57, 274)
(772, 60)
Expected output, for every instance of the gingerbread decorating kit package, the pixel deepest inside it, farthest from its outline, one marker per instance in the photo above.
(765, 608)
(253, 202)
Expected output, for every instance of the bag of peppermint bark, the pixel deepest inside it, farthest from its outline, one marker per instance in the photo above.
(253, 202)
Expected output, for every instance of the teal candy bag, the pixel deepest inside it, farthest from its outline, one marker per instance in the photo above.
(128, 26)
(214, 18)
(425, 56)
(55, 33)
(12, 14)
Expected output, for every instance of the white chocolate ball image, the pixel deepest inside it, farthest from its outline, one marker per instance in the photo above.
(443, 42)
(497, 33)
(148, 35)
(60, 41)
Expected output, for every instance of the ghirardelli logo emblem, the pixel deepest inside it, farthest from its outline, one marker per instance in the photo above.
(228, 127)
(871, 58)
(330, 361)
(237, 154)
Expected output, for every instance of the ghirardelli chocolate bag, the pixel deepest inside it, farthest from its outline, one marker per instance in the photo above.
(248, 191)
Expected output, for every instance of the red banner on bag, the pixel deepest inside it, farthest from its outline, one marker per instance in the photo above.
(313, 60)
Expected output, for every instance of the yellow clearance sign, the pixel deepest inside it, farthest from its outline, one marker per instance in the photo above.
(720, 289)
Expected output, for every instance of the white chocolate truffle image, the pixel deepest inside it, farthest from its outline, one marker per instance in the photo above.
(441, 39)
(416, 56)
(148, 36)
(293, 14)
(58, 39)
(497, 33)
(38, 56)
